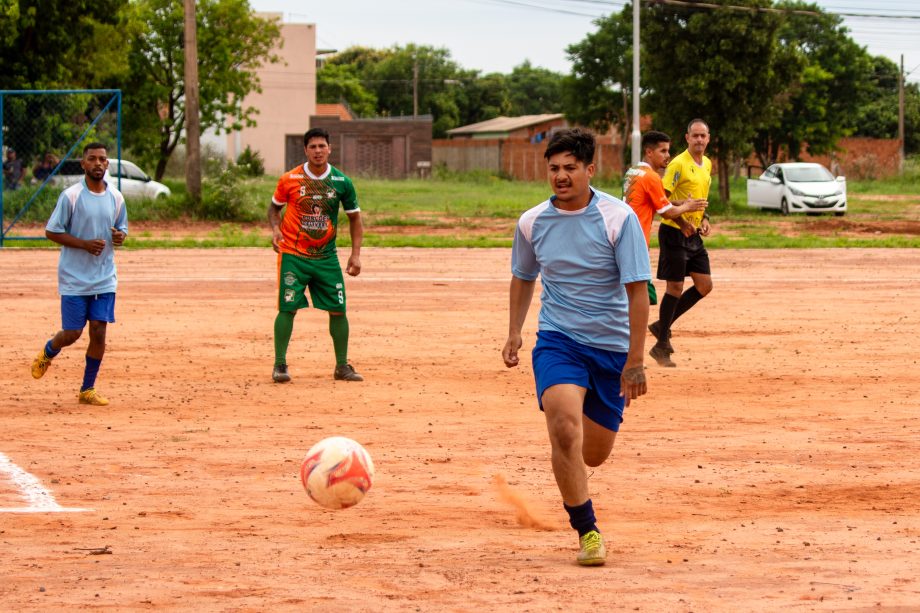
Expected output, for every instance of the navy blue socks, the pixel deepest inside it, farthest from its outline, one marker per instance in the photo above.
(49, 351)
(89, 374)
(582, 517)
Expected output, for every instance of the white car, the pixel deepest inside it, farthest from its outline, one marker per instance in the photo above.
(798, 187)
(135, 183)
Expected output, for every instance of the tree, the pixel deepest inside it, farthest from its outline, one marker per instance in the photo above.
(390, 75)
(877, 117)
(481, 97)
(534, 91)
(342, 83)
(232, 42)
(76, 49)
(599, 89)
(828, 78)
(715, 64)
(59, 44)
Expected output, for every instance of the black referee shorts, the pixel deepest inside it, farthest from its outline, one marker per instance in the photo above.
(680, 255)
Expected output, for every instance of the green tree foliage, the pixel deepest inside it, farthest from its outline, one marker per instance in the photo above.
(715, 64)
(599, 89)
(59, 44)
(56, 45)
(386, 79)
(341, 83)
(482, 97)
(878, 116)
(533, 90)
(828, 78)
(232, 44)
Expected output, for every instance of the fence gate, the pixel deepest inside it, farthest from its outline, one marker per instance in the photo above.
(40, 130)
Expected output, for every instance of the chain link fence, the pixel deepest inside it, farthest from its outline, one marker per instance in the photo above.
(41, 134)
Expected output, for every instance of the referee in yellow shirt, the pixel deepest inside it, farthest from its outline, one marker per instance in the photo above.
(682, 252)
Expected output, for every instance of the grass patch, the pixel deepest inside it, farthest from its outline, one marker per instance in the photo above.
(476, 210)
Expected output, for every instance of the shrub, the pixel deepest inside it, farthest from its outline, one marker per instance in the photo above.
(250, 163)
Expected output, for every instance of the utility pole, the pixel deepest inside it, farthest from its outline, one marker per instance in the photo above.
(901, 115)
(636, 132)
(415, 89)
(192, 117)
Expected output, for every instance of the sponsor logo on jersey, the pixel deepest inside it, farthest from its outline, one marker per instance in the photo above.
(293, 176)
(317, 221)
(330, 193)
(289, 295)
(289, 278)
(317, 196)
(335, 178)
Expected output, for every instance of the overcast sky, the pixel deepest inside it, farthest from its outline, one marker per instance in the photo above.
(497, 35)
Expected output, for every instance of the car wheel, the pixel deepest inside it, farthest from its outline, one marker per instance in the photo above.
(784, 207)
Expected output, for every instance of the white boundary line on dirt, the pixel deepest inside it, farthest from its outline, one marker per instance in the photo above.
(38, 498)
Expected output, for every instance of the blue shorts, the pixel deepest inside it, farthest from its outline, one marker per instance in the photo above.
(559, 359)
(77, 310)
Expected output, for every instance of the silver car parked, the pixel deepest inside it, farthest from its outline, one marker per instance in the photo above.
(798, 187)
(135, 183)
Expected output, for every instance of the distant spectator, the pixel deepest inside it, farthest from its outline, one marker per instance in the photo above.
(12, 170)
(43, 169)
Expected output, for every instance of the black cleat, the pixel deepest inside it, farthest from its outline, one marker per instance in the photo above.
(280, 374)
(662, 356)
(655, 329)
(346, 372)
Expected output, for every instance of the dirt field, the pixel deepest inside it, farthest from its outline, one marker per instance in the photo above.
(775, 469)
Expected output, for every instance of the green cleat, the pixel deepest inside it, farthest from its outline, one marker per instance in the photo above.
(40, 364)
(593, 552)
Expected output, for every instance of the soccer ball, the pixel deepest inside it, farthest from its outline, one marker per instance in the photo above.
(337, 472)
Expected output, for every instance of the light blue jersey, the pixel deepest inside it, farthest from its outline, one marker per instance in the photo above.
(583, 258)
(84, 214)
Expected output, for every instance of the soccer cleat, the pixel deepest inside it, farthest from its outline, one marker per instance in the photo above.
(662, 356)
(91, 396)
(40, 364)
(593, 552)
(280, 374)
(655, 329)
(346, 372)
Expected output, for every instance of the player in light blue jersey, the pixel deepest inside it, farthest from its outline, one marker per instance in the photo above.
(88, 222)
(590, 253)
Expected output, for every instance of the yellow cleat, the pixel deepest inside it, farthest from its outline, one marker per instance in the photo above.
(40, 364)
(593, 552)
(91, 396)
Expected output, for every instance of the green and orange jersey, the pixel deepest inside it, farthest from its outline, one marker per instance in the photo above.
(310, 221)
(643, 191)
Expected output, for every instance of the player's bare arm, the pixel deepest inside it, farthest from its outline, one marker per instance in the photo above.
(679, 207)
(632, 382)
(274, 220)
(95, 246)
(521, 294)
(356, 230)
(705, 227)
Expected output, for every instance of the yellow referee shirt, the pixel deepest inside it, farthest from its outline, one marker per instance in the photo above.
(684, 178)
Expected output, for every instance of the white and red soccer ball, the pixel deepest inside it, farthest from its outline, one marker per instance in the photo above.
(337, 472)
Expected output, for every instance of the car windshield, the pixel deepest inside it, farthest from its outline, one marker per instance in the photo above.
(808, 174)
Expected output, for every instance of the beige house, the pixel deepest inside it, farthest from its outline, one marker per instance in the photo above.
(288, 97)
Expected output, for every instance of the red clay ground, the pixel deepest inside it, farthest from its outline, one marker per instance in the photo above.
(775, 468)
